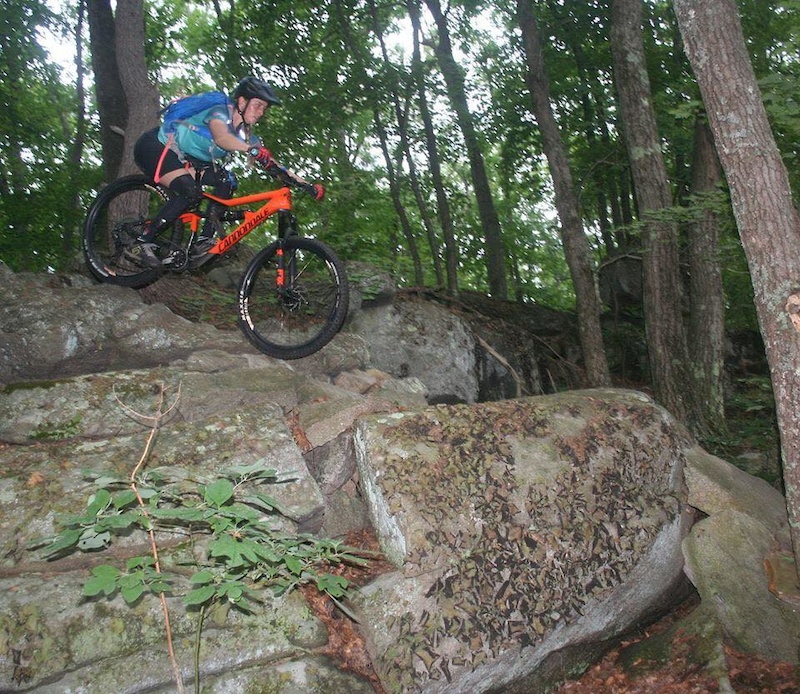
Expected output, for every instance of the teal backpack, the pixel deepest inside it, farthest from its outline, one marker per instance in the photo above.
(184, 108)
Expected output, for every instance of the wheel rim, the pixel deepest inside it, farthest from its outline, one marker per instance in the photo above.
(298, 319)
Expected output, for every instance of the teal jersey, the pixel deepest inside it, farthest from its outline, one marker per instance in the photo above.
(193, 138)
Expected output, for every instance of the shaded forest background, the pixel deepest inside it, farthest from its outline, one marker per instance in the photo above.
(501, 147)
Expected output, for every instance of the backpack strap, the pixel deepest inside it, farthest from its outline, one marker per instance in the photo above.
(157, 175)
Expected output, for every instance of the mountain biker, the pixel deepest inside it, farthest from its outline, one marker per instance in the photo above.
(203, 150)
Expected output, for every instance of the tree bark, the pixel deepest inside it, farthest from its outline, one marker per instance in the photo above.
(454, 81)
(666, 336)
(768, 222)
(140, 93)
(707, 312)
(573, 238)
(112, 106)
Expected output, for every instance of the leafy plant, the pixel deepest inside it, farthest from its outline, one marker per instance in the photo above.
(243, 551)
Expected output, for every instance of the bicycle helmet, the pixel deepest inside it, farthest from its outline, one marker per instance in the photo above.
(254, 88)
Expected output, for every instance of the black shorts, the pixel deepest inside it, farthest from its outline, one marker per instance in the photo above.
(147, 153)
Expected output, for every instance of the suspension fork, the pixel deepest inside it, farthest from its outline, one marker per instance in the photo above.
(287, 269)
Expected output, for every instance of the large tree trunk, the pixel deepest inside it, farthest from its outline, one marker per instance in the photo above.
(141, 94)
(112, 106)
(666, 337)
(762, 203)
(454, 80)
(576, 245)
(707, 313)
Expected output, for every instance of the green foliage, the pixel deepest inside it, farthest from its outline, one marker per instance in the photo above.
(38, 211)
(327, 65)
(752, 426)
(243, 551)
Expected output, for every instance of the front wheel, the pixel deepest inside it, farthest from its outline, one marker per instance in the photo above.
(293, 298)
(115, 220)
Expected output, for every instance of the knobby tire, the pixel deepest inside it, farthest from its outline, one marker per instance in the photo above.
(303, 317)
(114, 221)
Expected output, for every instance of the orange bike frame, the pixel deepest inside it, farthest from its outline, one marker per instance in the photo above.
(274, 201)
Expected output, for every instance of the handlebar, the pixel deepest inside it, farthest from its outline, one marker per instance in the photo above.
(281, 174)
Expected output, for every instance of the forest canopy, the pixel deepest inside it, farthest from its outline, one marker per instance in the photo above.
(369, 110)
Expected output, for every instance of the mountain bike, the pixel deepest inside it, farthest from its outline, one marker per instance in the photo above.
(293, 296)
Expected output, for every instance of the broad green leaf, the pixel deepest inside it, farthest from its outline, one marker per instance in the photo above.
(119, 521)
(224, 546)
(204, 576)
(132, 593)
(233, 591)
(90, 539)
(139, 562)
(243, 512)
(333, 585)
(125, 498)
(178, 514)
(98, 501)
(63, 540)
(103, 580)
(219, 493)
(199, 596)
(293, 564)
(263, 501)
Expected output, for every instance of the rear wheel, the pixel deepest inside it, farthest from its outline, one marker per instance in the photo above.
(114, 222)
(302, 316)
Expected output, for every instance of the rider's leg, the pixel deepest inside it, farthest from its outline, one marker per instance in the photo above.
(223, 184)
(187, 194)
(152, 158)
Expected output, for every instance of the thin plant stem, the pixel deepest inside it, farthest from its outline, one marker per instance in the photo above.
(155, 423)
(200, 620)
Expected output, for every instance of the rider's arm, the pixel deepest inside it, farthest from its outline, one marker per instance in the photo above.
(224, 138)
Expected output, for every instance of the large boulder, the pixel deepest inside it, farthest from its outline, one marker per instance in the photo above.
(56, 326)
(739, 557)
(423, 340)
(525, 533)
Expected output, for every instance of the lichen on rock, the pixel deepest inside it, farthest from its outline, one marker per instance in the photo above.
(512, 517)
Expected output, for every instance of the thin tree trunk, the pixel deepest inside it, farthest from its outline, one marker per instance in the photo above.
(576, 245)
(398, 203)
(454, 80)
(79, 139)
(707, 314)
(666, 336)
(767, 219)
(401, 117)
(442, 203)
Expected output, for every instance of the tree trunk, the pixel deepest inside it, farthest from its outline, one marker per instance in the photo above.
(573, 238)
(707, 313)
(454, 80)
(398, 202)
(111, 103)
(72, 224)
(442, 203)
(768, 222)
(666, 337)
(140, 93)
(401, 116)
